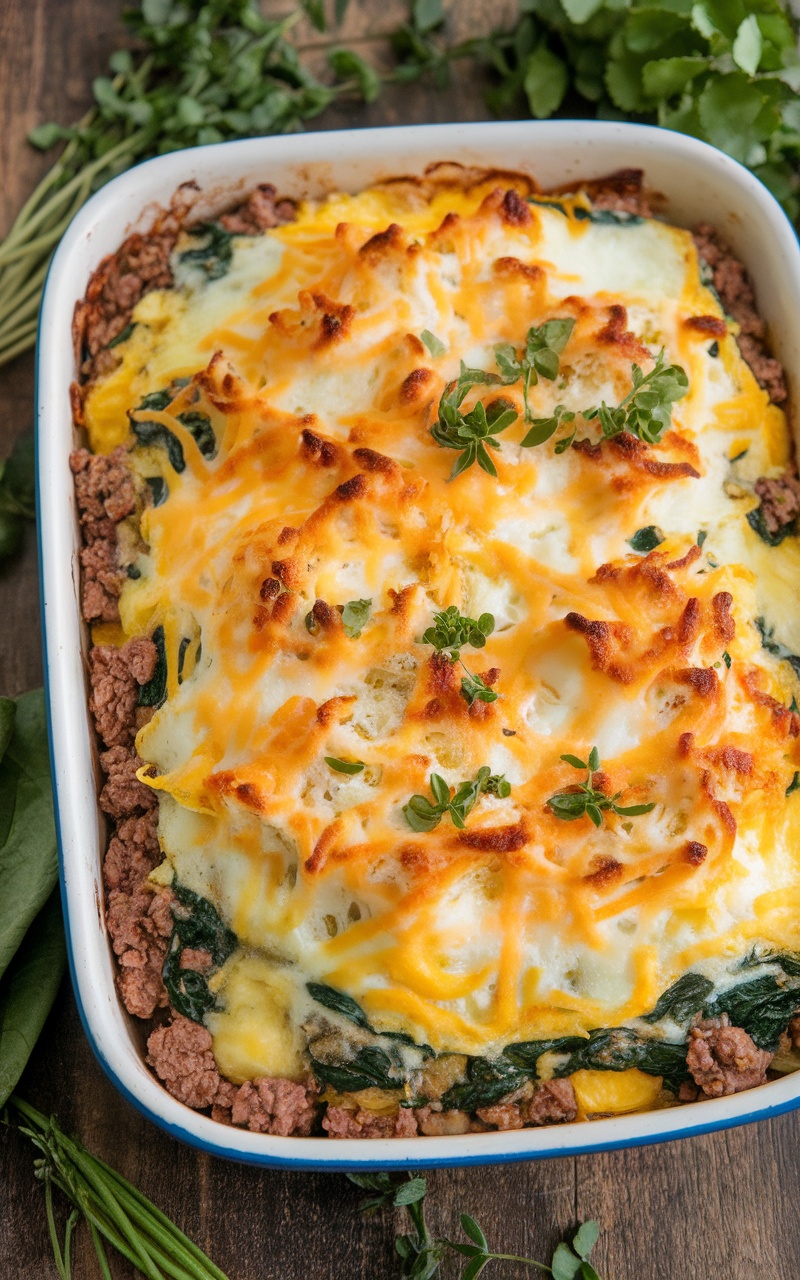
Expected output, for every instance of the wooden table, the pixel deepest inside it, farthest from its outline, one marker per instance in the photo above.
(724, 1205)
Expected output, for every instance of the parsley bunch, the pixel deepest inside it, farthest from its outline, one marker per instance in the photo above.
(450, 632)
(421, 815)
(570, 805)
(423, 1254)
(472, 433)
(539, 357)
(646, 411)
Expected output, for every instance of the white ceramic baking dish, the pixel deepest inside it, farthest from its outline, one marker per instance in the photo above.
(699, 184)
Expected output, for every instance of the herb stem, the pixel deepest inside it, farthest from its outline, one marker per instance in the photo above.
(101, 1253)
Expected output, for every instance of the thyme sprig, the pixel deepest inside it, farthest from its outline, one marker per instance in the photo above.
(587, 800)
(115, 1212)
(422, 1253)
(421, 815)
(450, 632)
(538, 358)
(646, 411)
(471, 433)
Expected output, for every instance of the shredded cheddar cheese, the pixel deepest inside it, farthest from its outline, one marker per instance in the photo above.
(326, 487)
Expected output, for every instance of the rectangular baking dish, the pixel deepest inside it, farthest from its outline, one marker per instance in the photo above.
(700, 184)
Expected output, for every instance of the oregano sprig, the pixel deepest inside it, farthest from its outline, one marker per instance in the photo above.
(538, 358)
(587, 800)
(422, 1253)
(471, 433)
(422, 815)
(450, 632)
(646, 411)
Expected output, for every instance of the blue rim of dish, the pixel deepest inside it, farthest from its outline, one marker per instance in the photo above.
(299, 1163)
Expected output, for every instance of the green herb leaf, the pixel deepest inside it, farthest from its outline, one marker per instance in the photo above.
(452, 631)
(748, 45)
(27, 991)
(154, 693)
(427, 15)
(794, 785)
(421, 815)
(646, 411)
(565, 1265)
(545, 81)
(646, 539)
(345, 766)
(434, 344)
(215, 255)
(539, 358)
(410, 1192)
(28, 862)
(355, 616)
(474, 689)
(775, 647)
(349, 65)
(542, 429)
(471, 433)
(586, 801)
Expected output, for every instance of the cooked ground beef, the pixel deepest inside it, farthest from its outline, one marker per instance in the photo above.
(180, 1054)
(280, 1107)
(133, 852)
(105, 494)
(780, 499)
(723, 1059)
(732, 283)
(442, 1124)
(115, 676)
(262, 209)
(622, 191)
(123, 793)
(139, 925)
(339, 1122)
(551, 1102)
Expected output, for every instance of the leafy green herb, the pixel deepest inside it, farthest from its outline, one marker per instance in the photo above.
(17, 493)
(539, 357)
(646, 539)
(475, 689)
(355, 616)
(422, 1254)
(344, 766)
(646, 411)
(543, 428)
(726, 658)
(434, 344)
(794, 785)
(213, 257)
(349, 65)
(682, 1000)
(28, 861)
(154, 693)
(586, 800)
(197, 924)
(421, 815)
(774, 646)
(116, 1213)
(472, 433)
(339, 1003)
(27, 991)
(452, 631)
(701, 537)
(526, 1053)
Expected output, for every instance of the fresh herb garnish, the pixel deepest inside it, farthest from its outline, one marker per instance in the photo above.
(355, 615)
(701, 537)
(726, 658)
(586, 800)
(450, 633)
(421, 815)
(646, 539)
(646, 411)
(344, 766)
(434, 344)
(423, 1254)
(472, 433)
(538, 358)
(794, 785)
(543, 428)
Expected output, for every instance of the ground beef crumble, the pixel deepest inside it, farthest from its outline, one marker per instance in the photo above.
(340, 1122)
(780, 500)
(723, 1059)
(105, 493)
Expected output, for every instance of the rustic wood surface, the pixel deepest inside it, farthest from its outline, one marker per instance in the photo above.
(724, 1205)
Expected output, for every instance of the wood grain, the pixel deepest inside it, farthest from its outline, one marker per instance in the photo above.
(724, 1205)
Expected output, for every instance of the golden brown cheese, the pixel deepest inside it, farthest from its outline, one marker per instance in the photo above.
(310, 360)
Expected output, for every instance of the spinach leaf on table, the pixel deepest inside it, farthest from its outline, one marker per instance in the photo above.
(28, 862)
(27, 991)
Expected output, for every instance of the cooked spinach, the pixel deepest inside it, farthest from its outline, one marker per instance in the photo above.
(682, 1000)
(339, 1003)
(370, 1067)
(757, 956)
(549, 204)
(214, 256)
(197, 924)
(199, 427)
(183, 646)
(158, 488)
(794, 785)
(154, 693)
(133, 572)
(620, 1048)
(758, 524)
(488, 1080)
(122, 336)
(156, 434)
(610, 217)
(774, 646)
(27, 991)
(713, 351)
(646, 539)
(527, 1053)
(763, 1007)
(28, 862)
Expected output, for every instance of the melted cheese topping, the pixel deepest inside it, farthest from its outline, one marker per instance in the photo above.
(328, 487)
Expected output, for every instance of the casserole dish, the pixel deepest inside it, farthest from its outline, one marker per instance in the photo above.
(699, 184)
